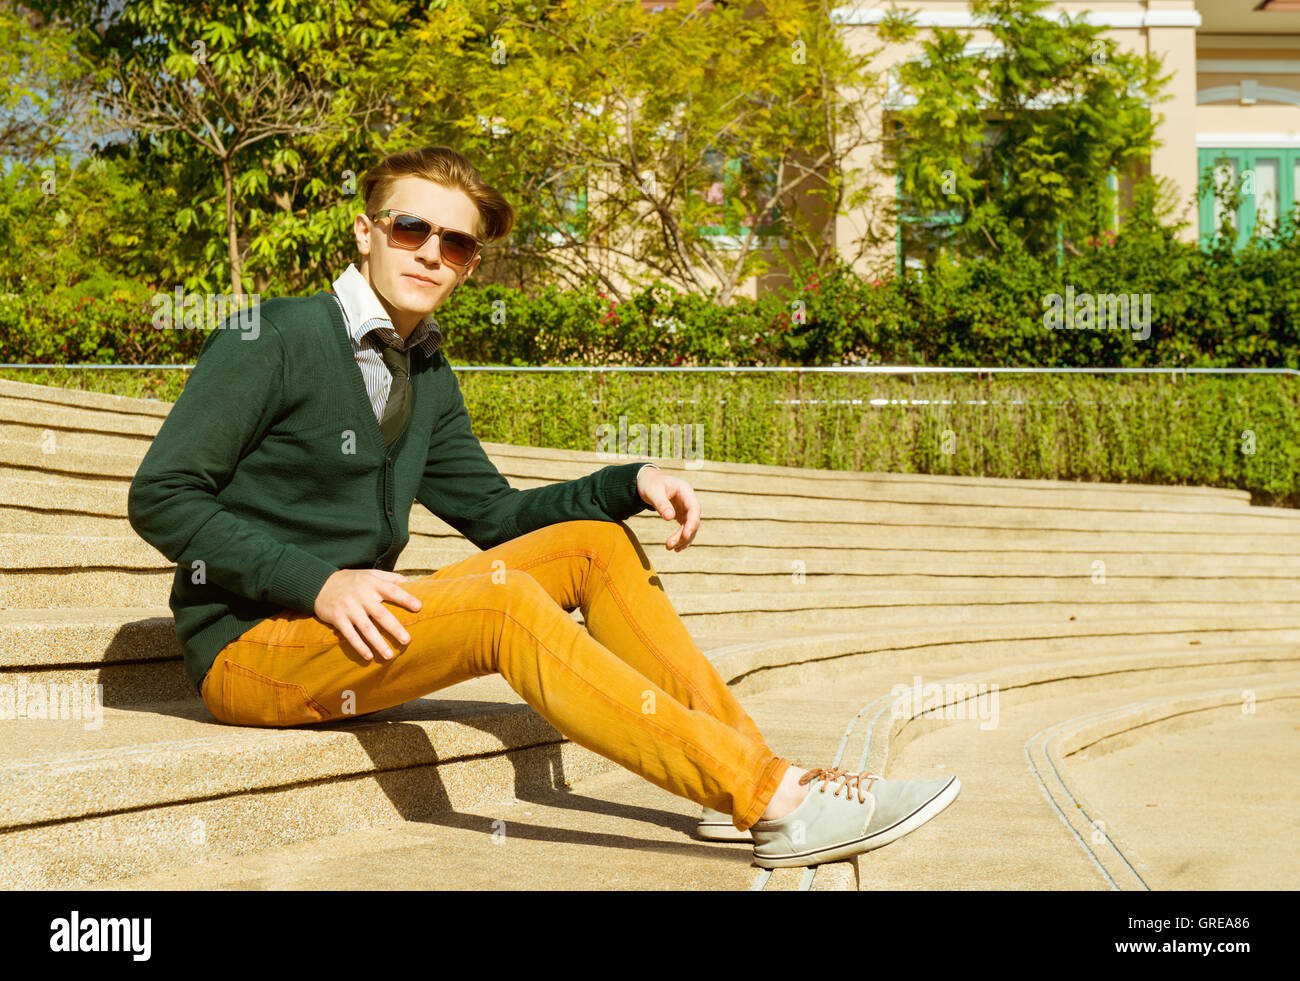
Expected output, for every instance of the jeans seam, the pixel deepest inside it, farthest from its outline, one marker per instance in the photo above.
(663, 659)
(618, 705)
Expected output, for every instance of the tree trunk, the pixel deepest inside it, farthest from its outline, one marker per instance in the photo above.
(236, 280)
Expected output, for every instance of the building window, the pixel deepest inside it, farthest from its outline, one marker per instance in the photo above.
(726, 195)
(1264, 180)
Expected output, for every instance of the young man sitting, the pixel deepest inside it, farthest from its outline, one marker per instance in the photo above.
(281, 484)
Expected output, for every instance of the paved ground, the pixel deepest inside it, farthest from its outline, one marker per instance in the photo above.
(1233, 825)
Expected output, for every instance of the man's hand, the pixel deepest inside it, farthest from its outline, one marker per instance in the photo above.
(673, 498)
(352, 598)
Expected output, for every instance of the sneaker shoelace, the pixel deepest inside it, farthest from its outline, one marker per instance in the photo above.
(848, 780)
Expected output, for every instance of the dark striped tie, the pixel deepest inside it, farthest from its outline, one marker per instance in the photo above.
(397, 410)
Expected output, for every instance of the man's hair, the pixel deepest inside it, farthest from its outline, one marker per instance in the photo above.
(448, 168)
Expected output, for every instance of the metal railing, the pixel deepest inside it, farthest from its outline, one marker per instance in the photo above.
(874, 369)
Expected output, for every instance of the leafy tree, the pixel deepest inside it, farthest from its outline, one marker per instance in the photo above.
(1018, 140)
(252, 124)
(45, 104)
(628, 139)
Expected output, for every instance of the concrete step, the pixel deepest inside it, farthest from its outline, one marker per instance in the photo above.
(119, 589)
(20, 551)
(757, 534)
(726, 498)
(91, 635)
(40, 398)
(148, 781)
(143, 757)
(45, 571)
(784, 517)
(1124, 781)
(59, 429)
(614, 830)
(915, 485)
(107, 495)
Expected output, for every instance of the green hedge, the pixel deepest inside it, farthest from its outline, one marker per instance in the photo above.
(1238, 431)
(1222, 431)
(1217, 308)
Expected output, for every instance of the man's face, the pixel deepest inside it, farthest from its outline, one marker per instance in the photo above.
(398, 275)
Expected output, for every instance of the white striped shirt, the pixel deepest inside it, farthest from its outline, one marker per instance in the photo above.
(369, 326)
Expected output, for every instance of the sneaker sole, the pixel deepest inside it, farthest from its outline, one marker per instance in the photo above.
(723, 832)
(866, 843)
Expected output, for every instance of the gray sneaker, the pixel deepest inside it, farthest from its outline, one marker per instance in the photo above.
(717, 826)
(826, 827)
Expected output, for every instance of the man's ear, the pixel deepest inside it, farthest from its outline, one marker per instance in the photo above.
(361, 227)
(470, 271)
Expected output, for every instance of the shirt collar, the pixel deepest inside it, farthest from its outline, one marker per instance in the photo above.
(363, 313)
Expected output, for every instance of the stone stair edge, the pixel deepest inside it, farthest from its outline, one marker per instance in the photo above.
(1141, 713)
(883, 734)
(57, 395)
(235, 742)
(28, 638)
(427, 535)
(424, 548)
(82, 465)
(428, 531)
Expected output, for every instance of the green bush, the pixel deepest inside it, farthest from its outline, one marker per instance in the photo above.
(1208, 308)
(1241, 431)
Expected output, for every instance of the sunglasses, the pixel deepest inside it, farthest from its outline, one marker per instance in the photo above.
(411, 232)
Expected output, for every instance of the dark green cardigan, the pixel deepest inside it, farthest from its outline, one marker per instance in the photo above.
(270, 473)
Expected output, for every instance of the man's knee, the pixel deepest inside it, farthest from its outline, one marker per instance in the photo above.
(604, 537)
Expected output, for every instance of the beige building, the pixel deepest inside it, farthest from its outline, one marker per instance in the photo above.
(1234, 96)
(1233, 106)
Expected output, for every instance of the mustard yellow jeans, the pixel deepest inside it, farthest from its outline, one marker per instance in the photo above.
(631, 685)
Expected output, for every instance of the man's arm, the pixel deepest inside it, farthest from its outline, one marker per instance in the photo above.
(463, 487)
(225, 410)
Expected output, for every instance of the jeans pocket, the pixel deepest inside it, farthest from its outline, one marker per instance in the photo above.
(248, 698)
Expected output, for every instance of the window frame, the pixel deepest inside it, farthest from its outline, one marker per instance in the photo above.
(1244, 157)
(732, 238)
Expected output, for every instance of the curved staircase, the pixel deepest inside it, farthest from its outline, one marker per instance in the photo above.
(1049, 635)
